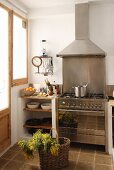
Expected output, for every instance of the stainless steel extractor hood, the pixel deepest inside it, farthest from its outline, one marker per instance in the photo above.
(82, 45)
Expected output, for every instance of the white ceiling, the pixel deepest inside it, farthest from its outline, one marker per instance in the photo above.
(44, 3)
(49, 3)
(34, 4)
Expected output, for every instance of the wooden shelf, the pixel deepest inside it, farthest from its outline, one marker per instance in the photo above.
(67, 127)
(45, 126)
(36, 110)
(39, 97)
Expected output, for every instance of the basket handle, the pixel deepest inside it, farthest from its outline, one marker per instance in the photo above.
(57, 136)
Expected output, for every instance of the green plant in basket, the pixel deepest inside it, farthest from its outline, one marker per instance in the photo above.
(66, 119)
(39, 141)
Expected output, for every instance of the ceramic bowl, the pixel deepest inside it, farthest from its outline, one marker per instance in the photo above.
(46, 106)
(33, 105)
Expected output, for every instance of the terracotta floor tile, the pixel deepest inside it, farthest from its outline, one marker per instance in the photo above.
(3, 162)
(81, 157)
(86, 157)
(84, 166)
(102, 167)
(100, 159)
(13, 165)
(15, 148)
(71, 166)
(87, 150)
(9, 155)
(29, 167)
(73, 155)
(19, 157)
(103, 154)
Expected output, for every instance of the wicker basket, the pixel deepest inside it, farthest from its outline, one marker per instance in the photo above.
(26, 93)
(50, 162)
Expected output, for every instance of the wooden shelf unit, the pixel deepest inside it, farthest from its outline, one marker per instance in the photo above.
(45, 126)
(36, 110)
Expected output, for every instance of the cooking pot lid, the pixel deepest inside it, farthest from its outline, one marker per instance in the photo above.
(82, 85)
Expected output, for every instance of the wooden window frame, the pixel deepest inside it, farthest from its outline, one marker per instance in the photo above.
(22, 81)
(7, 111)
(9, 51)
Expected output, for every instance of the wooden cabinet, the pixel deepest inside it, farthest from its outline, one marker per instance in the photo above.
(38, 113)
(5, 135)
(109, 127)
(113, 124)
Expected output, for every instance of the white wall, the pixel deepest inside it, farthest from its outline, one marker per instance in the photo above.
(15, 94)
(102, 33)
(57, 27)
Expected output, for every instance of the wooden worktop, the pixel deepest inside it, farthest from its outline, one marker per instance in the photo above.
(111, 102)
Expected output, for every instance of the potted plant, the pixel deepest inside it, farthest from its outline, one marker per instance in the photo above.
(53, 155)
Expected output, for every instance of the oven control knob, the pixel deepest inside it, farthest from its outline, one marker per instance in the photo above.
(80, 105)
(63, 102)
(87, 106)
(92, 106)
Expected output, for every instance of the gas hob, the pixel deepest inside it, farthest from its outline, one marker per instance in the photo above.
(91, 102)
(88, 96)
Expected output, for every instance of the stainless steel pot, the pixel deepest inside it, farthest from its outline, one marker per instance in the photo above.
(80, 91)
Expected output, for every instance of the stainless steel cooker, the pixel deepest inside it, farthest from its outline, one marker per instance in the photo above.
(89, 117)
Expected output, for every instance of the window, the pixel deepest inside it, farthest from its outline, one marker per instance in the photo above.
(5, 88)
(19, 50)
(4, 59)
(12, 67)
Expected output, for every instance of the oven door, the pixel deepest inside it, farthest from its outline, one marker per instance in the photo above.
(82, 126)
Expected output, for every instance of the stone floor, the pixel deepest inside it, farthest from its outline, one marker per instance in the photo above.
(81, 157)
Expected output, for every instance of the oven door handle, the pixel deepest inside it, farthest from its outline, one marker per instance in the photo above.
(85, 112)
